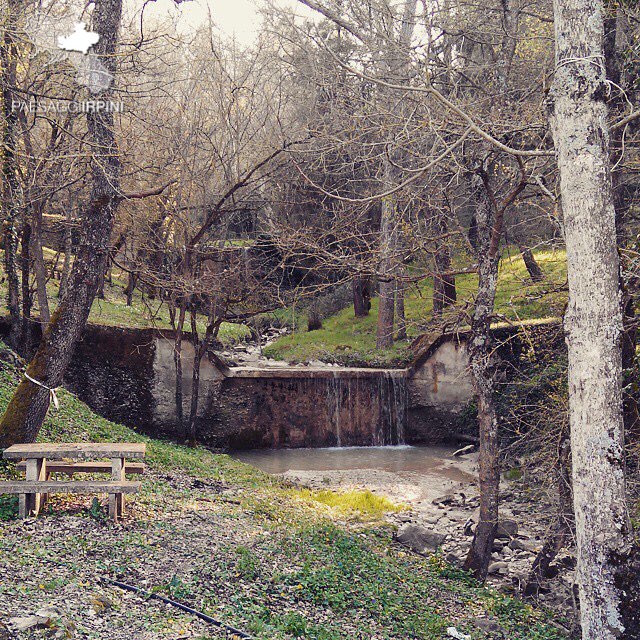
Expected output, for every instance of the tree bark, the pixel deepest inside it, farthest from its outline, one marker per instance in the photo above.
(10, 184)
(314, 321)
(28, 406)
(482, 372)
(101, 279)
(39, 267)
(397, 62)
(68, 251)
(386, 283)
(444, 293)
(177, 361)
(25, 258)
(401, 322)
(530, 262)
(131, 287)
(616, 37)
(630, 409)
(201, 347)
(593, 321)
(561, 530)
(444, 286)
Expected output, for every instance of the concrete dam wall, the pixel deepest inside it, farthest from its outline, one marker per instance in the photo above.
(128, 375)
(304, 407)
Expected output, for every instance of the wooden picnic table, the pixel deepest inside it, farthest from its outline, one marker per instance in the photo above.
(71, 458)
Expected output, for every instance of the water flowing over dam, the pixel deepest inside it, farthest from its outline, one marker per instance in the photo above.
(315, 407)
(390, 394)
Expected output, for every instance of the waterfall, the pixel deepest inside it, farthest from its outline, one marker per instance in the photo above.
(393, 398)
(400, 403)
(334, 399)
(370, 410)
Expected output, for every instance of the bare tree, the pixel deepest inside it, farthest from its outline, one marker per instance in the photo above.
(11, 197)
(28, 406)
(490, 223)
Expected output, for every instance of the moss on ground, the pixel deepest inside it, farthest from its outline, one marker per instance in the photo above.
(230, 540)
(359, 503)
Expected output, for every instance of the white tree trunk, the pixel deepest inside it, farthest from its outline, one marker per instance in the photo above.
(396, 66)
(387, 265)
(593, 321)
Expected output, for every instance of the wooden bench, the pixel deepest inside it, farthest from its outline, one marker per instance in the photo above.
(71, 468)
(41, 460)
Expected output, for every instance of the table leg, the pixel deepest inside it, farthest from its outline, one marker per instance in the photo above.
(44, 475)
(115, 499)
(123, 477)
(30, 502)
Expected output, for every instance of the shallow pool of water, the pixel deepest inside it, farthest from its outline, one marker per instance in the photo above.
(401, 460)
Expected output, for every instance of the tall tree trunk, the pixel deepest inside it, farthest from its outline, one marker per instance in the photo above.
(630, 409)
(593, 321)
(28, 406)
(131, 287)
(361, 288)
(561, 528)
(201, 347)
(25, 258)
(444, 285)
(11, 270)
(101, 279)
(10, 184)
(386, 282)
(314, 319)
(530, 262)
(616, 37)
(177, 360)
(401, 322)
(444, 293)
(132, 255)
(68, 252)
(397, 64)
(483, 381)
(39, 267)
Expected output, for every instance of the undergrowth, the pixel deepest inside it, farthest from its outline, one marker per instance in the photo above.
(348, 340)
(212, 532)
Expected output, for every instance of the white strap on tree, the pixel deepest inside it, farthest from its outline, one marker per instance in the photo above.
(52, 392)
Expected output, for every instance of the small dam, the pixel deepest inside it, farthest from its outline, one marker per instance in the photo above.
(314, 407)
(129, 376)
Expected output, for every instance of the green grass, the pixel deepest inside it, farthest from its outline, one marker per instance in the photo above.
(277, 561)
(350, 340)
(113, 310)
(363, 503)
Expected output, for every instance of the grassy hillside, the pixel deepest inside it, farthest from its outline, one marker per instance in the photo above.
(345, 338)
(113, 309)
(227, 539)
